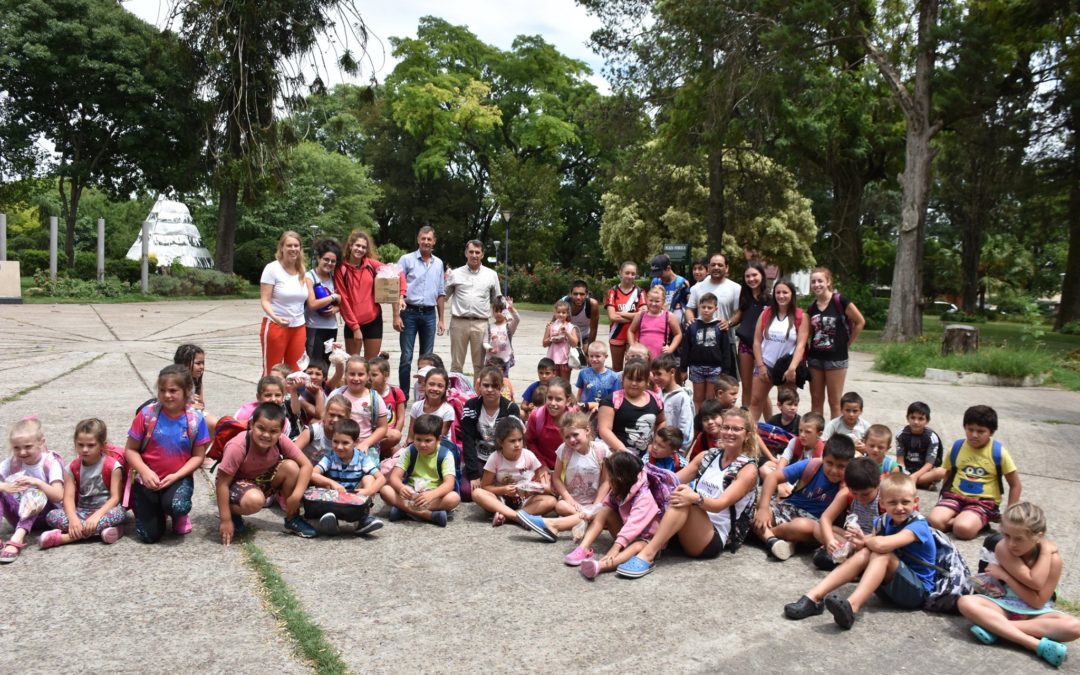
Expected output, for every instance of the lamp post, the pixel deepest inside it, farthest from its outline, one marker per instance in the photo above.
(506, 214)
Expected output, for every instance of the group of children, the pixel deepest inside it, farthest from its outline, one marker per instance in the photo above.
(633, 454)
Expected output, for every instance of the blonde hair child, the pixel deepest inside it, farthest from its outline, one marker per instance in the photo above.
(31, 473)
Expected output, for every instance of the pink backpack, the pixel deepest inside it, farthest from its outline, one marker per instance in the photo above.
(111, 458)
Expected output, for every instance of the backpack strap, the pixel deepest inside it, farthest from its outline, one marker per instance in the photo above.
(808, 473)
(995, 454)
(149, 423)
(374, 411)
(410, 463)
(76, 471)
(953, 455)
(766, 317)
(617, 398)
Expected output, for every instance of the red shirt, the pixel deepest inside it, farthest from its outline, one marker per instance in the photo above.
(543, 436)
(356, 286)
(623, 302)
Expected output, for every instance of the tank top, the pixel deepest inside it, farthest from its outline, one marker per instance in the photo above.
(582, 321)
(778, 340)
(653, 332)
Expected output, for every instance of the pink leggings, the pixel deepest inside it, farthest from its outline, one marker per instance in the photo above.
(9, 505)
(281, 345)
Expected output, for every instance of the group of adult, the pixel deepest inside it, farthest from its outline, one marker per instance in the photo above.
(302, 306)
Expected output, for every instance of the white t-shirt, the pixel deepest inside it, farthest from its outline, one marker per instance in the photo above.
(289, 296)
(507, 472)
(361, 410)
(726, 292)
(583, 471)
(485, 424)
(778, 340)
(711, 486)
(312, 317)
(836, 426)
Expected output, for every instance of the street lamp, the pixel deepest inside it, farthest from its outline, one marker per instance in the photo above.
(506, 214)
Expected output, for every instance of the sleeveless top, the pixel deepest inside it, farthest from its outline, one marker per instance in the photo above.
(653, 332)
(582, 321)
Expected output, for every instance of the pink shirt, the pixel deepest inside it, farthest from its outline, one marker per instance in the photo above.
(361, 410)
(653, 332)
(639, 512)
(240, 462)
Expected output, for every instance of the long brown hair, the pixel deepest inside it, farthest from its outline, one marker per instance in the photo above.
(372, 251)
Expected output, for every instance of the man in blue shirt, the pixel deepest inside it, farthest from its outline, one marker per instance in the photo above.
(422, 306)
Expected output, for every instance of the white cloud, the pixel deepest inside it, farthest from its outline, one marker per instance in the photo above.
(497, 22)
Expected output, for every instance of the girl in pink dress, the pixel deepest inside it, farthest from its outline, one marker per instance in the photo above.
(559, 337)
(656, 328)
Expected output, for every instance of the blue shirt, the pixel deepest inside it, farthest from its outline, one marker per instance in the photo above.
(348, 475)
(528, 393)
(816, 496)
(424, 283)
(924, 547)
(676, 293)
(597, 386)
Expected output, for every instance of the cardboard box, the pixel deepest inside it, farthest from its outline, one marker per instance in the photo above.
(387, 289)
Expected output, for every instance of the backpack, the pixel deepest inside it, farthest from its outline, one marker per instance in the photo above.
(598, 448)
(588, 304)
(840, 309)
(995, 454)
(740, 526)
(661, 484)
(617, 398)
(775, 438)
(112, 457)
(445, 448)
(951, 573)
(766, 317)
(808, 473)
(152, 410)
(227, 428)
(347, 506)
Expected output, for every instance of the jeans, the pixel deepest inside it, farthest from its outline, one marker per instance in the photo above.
(414, 323)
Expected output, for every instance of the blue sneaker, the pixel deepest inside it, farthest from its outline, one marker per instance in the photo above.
(368, 525)
(439, 518)
(396, 514)
(536, 524)
(634, 567)
(299, 526)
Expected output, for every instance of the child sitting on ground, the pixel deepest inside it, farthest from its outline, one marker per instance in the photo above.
(977, 469)
(918, 448)
(807, 445)
(394, 399)
(882, 563)
(710, 416)
(506, 390)
(505, 470)
(678, 403)
(93, 491)
(545, 370)
(32, 470)
(782, 524)
(787, 399)
(348, 469)
(1025, 569)
(259, 463)
(368, 407)
(850, 423)
(317, 440)
(597, 381)
(664, 449)
(421, 485)
(312, 396)
(857, 500)
(435, 381)
(878, 443)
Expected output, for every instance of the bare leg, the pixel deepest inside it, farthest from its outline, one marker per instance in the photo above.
(817, 390)
(746, 373)
(760, 397)
(617, 354)
(834, 383)
(372, 348)
(966, 525)
(942, 518)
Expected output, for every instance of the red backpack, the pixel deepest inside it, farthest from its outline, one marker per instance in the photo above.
(112, 457)
(227, 428)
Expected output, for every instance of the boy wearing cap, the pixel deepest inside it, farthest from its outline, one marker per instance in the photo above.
(676, 288)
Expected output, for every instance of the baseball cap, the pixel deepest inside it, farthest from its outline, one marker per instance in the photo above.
(660, 263)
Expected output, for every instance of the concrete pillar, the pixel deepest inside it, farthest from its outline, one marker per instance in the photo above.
(52, 246)
(3, 236)
(101, 249)
(146, 257)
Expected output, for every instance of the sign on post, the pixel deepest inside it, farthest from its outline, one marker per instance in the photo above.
(679, 254)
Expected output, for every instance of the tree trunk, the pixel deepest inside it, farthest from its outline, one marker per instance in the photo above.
(715, 221)
(226, 227)
(69, 209)
(972, 237)
(1069, 309)
(846, 242)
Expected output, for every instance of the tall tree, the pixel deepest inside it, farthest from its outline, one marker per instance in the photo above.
(114, 95)
(1066, 103)
(255, 55)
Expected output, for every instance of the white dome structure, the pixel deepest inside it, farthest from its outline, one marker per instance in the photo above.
(173, 235)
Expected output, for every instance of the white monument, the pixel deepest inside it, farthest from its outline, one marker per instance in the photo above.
(173, 235)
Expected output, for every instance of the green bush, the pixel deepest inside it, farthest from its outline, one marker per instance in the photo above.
(31, 261)
(85, 266)
(546, 283)
(252, 256)
(124, 269)
(1071, 328)
(874, 309)
(69, 287)
(186, 281)
(389, 253)
(166, 285)
(912, 359)
(962, 317)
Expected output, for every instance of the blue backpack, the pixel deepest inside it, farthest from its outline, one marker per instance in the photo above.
(952, 577)
(445, 448)
(995, 453)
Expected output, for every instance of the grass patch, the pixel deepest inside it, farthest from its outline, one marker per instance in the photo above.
(1068, 606)
(913, 358)
(23, 392)
(252, 293)
(308, 636)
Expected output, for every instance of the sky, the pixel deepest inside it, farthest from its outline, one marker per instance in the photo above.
(497, 22)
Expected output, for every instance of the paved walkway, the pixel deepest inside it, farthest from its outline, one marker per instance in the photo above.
(468, 597)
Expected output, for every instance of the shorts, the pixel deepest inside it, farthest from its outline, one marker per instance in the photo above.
(371, 330)
(713, 549)
(822, 364)
(783, 512)
(905, 589)
(745, 348)
(701, 374)
(241, 486)
(985, 509)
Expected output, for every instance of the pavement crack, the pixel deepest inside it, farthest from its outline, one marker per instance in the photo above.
(185, 320)
(104, 323)
(22, 392)
(139, 375)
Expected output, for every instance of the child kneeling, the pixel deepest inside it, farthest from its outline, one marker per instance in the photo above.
(902, 534)
(423, 464)
(257, 464)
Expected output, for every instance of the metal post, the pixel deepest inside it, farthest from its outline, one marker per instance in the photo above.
(52, 247)
(3, 236)
(506, 261)
(146, 257)
(101, 249)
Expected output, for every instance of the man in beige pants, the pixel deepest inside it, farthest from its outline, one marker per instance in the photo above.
(471, 288)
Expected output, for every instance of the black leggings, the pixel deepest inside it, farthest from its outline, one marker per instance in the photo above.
(151, 507)
(314, 344)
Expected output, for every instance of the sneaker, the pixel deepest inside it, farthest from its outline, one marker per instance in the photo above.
(439, 518)
(368, 525)
(840, 610)
(50, 539)
(590, 568)
(181, 524)
(782, 550)
(578, 556)
(238, 525)
(823, 561)
(396, 514)
(537, 525)
(802, 608)
(299, 526)
(110, 534)
(328, 524)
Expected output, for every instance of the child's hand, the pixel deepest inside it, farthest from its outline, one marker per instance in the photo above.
(763, 519)
(783, 491)
(406, 493)
(422, 500)
(509, 303)
(91, 524)
(225, 529)
(76, 530)
(510, 491)
(167, 481)
(860, 446)
(150, 479)
(334, 485)
(834, 545)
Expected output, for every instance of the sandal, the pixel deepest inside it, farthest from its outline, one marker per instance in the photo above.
(5, 556)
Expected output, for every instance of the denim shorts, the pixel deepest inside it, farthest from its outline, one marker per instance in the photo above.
(821, 364)
(905, 589)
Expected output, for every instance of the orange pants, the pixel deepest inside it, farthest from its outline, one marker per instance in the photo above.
(281, 345)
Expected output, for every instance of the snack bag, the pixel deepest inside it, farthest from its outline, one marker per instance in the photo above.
(32, 502)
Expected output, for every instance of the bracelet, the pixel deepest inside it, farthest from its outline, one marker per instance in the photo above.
(701, 500)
